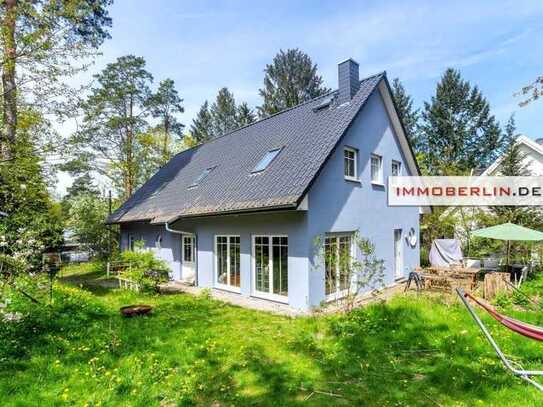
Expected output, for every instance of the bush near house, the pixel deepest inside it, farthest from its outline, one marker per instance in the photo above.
(145, 269)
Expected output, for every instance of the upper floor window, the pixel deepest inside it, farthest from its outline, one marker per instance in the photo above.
(376, 169)
(396, 168)
(349, 159)
(266, 160)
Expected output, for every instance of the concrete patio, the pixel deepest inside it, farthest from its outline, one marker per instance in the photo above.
(276, 307)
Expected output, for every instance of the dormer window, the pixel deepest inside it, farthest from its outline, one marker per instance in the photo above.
(350, 158)
(201, 177)
(266, 160)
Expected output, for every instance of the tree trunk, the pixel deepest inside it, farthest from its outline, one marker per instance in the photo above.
(9, 87)
(165, 151)
(130, 153)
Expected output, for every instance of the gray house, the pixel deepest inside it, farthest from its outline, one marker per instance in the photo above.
(241, 212)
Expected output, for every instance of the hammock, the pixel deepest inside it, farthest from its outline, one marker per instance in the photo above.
(522, 328)
(514, 325)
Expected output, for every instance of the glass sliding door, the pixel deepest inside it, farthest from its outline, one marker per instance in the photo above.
(270, 266)
(280, 265)
(227, 252)
(262, 263)
(234, 257)
(337, 264)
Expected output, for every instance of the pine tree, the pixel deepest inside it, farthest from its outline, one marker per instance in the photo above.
(458, 133)
(513, 164)
(114, 116)
(408, 115)
(289, 80)
(222, 117)
(224, 113)
(82, 185)
(245, 115)
(165, 105)
(202, 126)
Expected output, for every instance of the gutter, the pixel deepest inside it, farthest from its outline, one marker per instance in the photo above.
(179, 232)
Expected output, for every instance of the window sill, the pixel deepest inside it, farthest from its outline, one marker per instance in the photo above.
(351, 179)
(377, 184)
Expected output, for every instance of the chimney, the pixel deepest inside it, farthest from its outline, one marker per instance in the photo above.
(348, 80)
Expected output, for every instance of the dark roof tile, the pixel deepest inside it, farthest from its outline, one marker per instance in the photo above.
(307, 137)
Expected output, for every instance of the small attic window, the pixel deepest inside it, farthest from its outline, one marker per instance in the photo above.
(324, 103)
(266, 160)
(201, 177)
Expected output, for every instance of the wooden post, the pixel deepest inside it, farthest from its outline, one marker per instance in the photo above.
(495, 283)
(107, 269)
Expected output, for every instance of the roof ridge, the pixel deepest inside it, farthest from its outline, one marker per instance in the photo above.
(287, 110)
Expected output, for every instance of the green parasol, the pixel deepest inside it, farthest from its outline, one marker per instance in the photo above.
(509, 232)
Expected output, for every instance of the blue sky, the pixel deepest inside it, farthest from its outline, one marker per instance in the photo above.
(206, 45)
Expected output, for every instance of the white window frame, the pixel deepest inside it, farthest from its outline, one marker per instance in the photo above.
(192, 248)
(226, 287)
(379, 180)
(338, 294)
(261, 294)
(355, 167)
(399, 164)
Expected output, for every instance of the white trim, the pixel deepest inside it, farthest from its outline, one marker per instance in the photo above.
(216, 283)
(190, 264)
(402, 138)
(304, 204)
(355, 161)
(261, 294)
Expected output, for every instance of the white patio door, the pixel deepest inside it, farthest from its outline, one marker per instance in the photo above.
(270, 267)
(227, 262)
(398, 254)
(188, 261)
(338, 253)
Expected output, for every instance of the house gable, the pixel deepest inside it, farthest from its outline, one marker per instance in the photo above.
(533, 158)
(339, 205)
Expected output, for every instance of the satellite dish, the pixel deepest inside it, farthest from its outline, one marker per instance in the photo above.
(411, 238)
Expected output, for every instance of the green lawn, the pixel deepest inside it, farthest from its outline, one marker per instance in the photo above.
(411, 351)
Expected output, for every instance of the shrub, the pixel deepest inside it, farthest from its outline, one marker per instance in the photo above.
(145, 269)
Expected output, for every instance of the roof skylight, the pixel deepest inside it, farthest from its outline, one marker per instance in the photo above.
(201, 177)
(266, 160)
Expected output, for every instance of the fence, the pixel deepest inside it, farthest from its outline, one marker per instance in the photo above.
(119, 269)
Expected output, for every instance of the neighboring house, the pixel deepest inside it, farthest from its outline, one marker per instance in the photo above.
(465, 218)
(241, 212)
(532, 150)
(72, 250)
